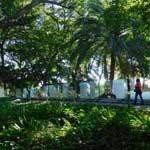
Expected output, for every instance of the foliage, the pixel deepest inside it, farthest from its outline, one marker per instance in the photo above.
(52, 125)
(48, 41)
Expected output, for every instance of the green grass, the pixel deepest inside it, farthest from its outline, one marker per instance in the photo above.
(71, 126)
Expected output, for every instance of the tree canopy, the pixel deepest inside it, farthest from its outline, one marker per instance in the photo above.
(48, 40)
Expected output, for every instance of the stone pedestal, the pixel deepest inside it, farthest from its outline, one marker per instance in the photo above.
(2, 92)
(25, 93)
(18, 93)
(53, 91)
(84, 90)
(119, 88)
(34, 92)
(93, 89)
(65, 90)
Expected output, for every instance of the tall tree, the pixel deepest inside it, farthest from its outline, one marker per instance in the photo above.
(13, 18)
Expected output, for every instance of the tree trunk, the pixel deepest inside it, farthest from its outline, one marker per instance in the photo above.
(29, 94)
(3, 64)
(128, 94)
(75, 85)
(2, 55)
(112, 68)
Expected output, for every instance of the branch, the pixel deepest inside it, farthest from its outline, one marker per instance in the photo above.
(14, 19)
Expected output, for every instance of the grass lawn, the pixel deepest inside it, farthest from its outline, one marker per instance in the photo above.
(72, 126)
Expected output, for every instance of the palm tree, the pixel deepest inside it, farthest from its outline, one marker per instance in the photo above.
(99, 32)
(105, 30)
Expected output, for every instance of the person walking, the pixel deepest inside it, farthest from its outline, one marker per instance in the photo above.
(138, 91)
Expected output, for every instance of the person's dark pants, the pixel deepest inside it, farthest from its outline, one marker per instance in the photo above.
(140, 95)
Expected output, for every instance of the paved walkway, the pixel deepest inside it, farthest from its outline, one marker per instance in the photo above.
(105, 102)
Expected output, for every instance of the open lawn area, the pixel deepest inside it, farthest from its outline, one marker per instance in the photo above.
(72, 126)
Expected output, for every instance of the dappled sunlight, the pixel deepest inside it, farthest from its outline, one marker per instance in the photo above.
(67, 74)
(70, 112)
(52, 131)
(140, 120)
(55, 125)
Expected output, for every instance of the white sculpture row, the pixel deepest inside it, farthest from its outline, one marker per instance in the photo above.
(87, 90)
